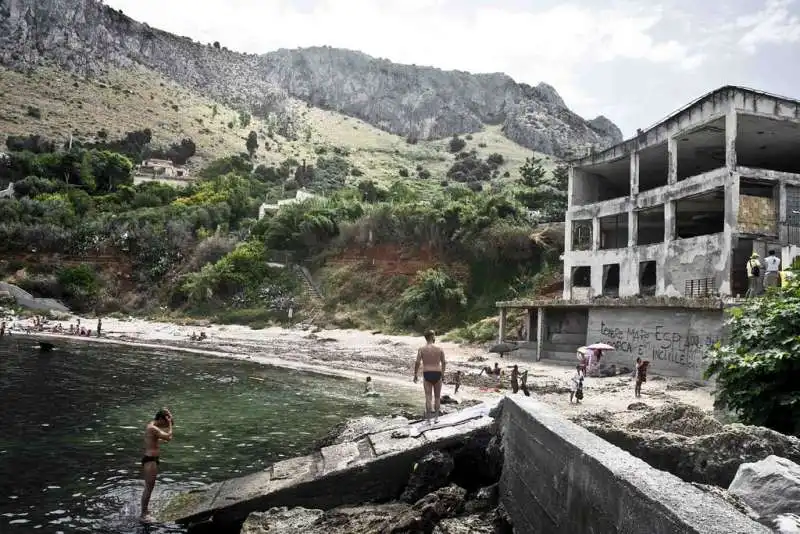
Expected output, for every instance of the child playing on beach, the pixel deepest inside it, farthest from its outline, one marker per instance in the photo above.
(457, 382)
(576, 385)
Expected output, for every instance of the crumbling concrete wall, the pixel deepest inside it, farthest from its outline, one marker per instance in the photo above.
(673, 341)
(561, 478)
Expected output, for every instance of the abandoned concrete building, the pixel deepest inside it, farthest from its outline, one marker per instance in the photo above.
(677, 210)
(659, 229)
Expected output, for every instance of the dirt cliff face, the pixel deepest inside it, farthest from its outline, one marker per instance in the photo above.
(86, 37)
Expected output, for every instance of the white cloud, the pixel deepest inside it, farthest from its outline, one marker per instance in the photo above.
(546, 45)
(774, 24)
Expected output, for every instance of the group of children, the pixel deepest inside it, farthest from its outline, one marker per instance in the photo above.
(576, 382)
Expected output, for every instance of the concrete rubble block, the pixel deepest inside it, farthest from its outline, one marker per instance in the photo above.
(385, 443)
(293, 468)
(449, 432)
(242, 489)
(430, 474)
(771, 487)
(339, 456)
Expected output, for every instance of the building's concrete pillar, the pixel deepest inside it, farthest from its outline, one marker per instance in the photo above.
(597, 279)
(730, 232)
(669, 221)
(672, 167)
(629, 276)
(568, 230)
(567, 294)
(783, 216)
(731, 125)
(633, 227)
(501, 326)
(595, 234)
(570, 188)
(528, 324)
(541, 335)
(634, 173)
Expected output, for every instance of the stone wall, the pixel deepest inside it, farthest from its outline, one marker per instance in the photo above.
(560, 478)
(673, 341)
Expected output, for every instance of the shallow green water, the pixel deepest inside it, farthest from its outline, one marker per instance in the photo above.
(73, 421)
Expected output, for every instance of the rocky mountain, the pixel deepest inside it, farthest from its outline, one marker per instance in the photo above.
(87, 37)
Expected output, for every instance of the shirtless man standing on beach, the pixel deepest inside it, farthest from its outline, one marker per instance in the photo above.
(433, 365)
(158, 430)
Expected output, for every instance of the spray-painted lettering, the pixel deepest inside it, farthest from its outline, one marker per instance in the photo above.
(657, 343)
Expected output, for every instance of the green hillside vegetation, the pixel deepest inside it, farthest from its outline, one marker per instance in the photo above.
(472, 203)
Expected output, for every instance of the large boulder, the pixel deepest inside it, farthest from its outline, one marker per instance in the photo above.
(770, 486)
(367, 519)
(427, 512)
(691, 445)
(431, 473)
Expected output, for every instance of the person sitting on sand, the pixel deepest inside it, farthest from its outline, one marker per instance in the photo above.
(193, 337)
(368, 385)
(157, 430)
(202, 336)
(433, 364)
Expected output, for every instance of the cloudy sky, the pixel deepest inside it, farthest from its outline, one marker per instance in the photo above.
(634, 61)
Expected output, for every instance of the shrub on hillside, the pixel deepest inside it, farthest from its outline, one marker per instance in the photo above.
(32, 143)
(435, 299)
(456, 144)
(756, 367)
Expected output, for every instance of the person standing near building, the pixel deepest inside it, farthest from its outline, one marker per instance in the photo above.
(753, 276)
(772, 267)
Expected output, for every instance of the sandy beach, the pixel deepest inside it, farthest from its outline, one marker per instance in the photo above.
(389, 360)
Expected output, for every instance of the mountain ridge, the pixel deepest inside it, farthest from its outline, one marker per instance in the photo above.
(418, 102)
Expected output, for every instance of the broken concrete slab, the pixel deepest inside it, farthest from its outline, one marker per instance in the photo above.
(375, 468)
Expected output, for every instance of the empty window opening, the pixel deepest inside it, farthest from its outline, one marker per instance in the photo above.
(582, 235)
(653, 167)
(650, 226)
(702, 214)
(767, 144)
(600, 182)
(647, 278)
(614, 231)
(582, 276)
(758, 214)
(701, 150)
(611, 280)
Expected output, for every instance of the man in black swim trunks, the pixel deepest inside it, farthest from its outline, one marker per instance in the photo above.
(433, 366)
(158, 430)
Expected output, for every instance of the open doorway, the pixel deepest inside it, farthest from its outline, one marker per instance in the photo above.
(611, 280)
(647, 278)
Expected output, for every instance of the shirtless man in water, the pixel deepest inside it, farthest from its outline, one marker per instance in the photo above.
(158, 430)
(433, 365)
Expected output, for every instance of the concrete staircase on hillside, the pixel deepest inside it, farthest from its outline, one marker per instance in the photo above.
(310, 293)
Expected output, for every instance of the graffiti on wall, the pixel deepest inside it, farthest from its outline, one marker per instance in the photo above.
(658, 343)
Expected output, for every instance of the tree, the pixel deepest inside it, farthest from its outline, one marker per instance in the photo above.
(756, 368)
(110, 170)
(252, 143)
(244, 119)
(545, 194)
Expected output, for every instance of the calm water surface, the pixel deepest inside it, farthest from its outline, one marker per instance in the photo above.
(72, 423)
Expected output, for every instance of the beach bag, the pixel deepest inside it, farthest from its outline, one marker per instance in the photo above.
(755, 270)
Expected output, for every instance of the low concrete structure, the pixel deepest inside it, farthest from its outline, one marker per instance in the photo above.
(376, 467)
(671, 333)
(300, 196)
(26, 300)
(560, 478)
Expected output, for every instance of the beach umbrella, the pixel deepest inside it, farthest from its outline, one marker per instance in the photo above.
(600, 346)
(582, 350)
(503, 348)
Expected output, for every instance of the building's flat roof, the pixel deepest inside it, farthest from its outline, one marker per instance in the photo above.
(696, 102)
(632, 302)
